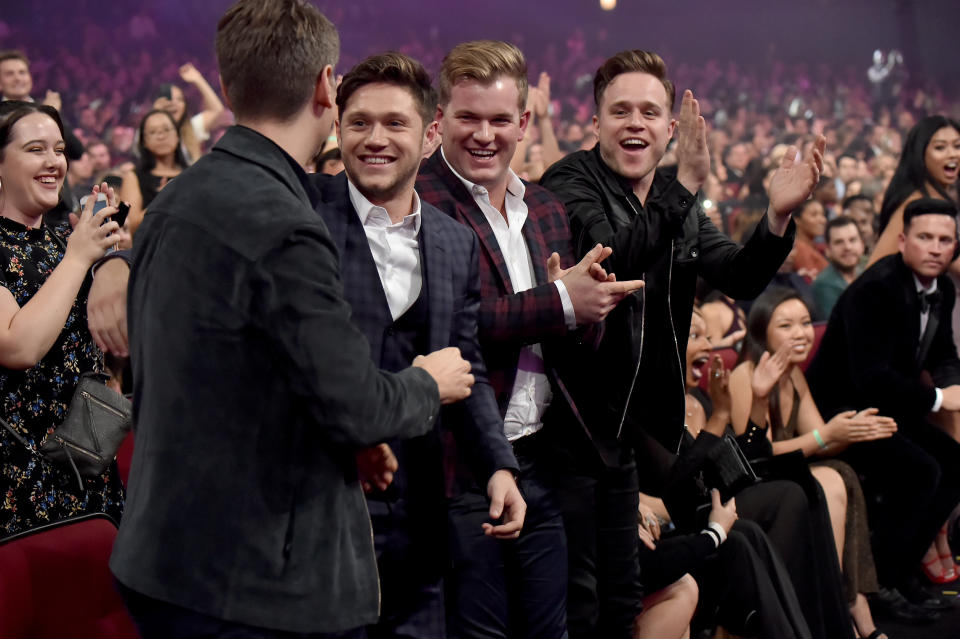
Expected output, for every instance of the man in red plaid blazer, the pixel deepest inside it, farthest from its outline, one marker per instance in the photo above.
(528, 305)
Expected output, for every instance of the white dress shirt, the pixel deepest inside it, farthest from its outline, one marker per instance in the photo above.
(531, 389)
(924, 318)
(395, 249)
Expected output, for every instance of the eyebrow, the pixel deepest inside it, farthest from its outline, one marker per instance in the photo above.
(39, 141)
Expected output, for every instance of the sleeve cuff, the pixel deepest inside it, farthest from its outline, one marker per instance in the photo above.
(716, 532)
(123, 255)
(938, 402)
(568, 313)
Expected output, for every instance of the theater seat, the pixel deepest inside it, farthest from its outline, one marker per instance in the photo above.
(55, 583)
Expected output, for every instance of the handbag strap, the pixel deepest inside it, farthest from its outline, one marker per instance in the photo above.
(17, 436)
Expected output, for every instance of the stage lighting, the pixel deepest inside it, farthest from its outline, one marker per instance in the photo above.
(608, 5)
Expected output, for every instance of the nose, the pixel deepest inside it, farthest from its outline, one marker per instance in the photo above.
(376, 138)
(636, 121)
(483, 134)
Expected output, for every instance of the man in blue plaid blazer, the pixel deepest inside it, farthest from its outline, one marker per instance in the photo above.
(410, 274)
(532, 314)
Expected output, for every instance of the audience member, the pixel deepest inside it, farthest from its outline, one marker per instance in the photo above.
(845, 253)
(160, 160)
(860, 209)
(888, 327)
(811, 220)
(196, 129)
(770, 399)
(45, 345)
(284, 391)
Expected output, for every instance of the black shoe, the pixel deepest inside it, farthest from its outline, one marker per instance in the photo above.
(892, 605)
(914, 592)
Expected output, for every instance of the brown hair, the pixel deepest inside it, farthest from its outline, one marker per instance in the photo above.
(483, 61)
(270, 56)
(13, 55)
(391, 68)
(631, 61)
(12, 111)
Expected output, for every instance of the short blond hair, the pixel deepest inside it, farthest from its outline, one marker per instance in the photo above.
(483, 61)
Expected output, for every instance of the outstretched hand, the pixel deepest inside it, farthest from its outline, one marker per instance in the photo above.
(592, 290)
(769, 370)
(794, 181)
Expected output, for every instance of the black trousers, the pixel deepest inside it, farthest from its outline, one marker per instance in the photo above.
(509, 588)
(157, 619)
(911, 482)
(600, 517)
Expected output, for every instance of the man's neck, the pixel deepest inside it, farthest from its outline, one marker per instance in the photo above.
(397, 206)
(641, 187)
(299, 137)
(848, 274)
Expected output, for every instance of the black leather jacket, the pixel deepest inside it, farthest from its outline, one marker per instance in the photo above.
(668, 242)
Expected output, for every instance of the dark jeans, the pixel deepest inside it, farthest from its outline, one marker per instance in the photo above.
(912, 483)
(600, 517)
(508, 588)
(157, 619)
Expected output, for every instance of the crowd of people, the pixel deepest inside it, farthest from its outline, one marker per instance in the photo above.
(431, 354)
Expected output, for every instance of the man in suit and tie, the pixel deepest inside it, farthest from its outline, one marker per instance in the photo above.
(528, 305)
(889, 345)
(253, 390)
(411, 275)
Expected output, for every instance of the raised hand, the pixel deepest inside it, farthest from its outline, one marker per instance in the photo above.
(693, 156)
(769, 370)
(92, 233)
(52, 99)
(450, 371)
(594, 293)
(793, 182)
(189, 74)
(718, 386)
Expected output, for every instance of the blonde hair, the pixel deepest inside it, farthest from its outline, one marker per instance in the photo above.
(483, 61)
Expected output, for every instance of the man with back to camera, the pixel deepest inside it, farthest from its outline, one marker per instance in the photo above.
(890, 326)
(845, 252)
(244, 515)
(615, 195)
(411, 275)
(530, 312)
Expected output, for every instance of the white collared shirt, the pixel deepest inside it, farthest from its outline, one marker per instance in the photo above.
(531, 389)
(395, 249)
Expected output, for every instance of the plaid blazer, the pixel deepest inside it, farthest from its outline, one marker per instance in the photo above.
(508, 320)
(472, 430)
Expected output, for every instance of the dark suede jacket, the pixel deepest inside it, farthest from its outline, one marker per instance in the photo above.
(667, 241)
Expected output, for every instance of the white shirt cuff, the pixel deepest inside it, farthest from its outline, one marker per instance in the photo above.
(938, 402)
(717, 528)
(568, 315)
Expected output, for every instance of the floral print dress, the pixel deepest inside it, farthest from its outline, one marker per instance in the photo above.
(34, 491)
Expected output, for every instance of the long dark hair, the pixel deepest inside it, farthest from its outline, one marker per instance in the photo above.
(912, 174)
(758, 320)
(147, 159)
(12, 111)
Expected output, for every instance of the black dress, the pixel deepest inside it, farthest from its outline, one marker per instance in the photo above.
(34, 491)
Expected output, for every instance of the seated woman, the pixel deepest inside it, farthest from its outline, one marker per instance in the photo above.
(45, 345)
(811, 221)
(161, 160)
(770, 398)
(195, 129)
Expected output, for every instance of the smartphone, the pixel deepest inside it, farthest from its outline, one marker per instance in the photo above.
(99, 204)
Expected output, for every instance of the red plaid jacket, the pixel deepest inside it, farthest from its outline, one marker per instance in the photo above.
(508, 321)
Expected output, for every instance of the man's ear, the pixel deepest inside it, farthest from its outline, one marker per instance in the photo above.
(901, 241)
(524, 121)
(671, 128)
(325, 91)
(438, 118)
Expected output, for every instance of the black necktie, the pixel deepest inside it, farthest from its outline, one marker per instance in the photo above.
(929, 300)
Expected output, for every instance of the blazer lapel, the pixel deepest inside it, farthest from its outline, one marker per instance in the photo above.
(536, 245)
(438, 280)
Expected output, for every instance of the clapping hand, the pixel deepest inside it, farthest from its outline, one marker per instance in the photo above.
(794, 181)
(769, 370)
(693, 156)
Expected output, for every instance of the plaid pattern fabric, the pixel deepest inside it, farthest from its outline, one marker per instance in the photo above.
(508, 321)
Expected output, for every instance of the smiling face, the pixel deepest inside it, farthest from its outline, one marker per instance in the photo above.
(15, 80)
(812, 220)
(844, 247)
(698, 350)
(927, 245)
(480, 126)
(790, 323)
(942, 156)
(32, 169)
(382, 137)
(634, 125)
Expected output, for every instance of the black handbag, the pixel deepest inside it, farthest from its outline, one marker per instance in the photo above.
(97, 422)
(705, 463)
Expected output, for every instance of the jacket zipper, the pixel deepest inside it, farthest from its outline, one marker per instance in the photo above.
(673, 328)
(643, 320)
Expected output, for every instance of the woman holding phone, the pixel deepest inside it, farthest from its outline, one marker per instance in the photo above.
(45, 345)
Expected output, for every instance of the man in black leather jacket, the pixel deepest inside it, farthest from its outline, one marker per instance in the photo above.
(615, 195)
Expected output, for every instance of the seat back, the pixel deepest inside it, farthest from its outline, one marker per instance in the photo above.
(55, 583)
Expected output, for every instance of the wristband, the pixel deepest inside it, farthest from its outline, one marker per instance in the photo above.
(816, 435)
(718, 529)
(712, 534)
